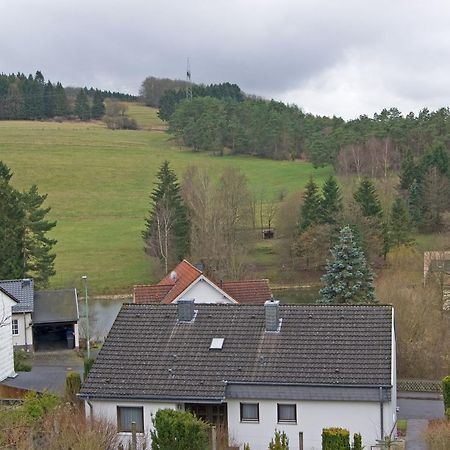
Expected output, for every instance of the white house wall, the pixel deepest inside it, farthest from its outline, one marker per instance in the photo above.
(25, 336)
(312, 417)
(6, 343)
(107, 410)
(203, 292)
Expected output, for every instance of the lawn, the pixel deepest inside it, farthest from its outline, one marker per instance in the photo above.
(98, 182)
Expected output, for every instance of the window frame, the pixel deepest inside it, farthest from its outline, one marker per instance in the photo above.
(294, 405)
(15, 327)
(245, 420)
(119, 417)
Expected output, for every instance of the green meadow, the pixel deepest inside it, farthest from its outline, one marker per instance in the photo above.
(98, 183)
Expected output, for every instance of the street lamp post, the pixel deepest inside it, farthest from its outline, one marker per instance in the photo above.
(86, 312)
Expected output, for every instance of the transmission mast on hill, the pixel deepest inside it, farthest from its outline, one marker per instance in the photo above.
(188, 81)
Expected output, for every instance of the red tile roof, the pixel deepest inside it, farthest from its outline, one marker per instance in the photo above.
(248, 291)
(167, 290)
(154, 293)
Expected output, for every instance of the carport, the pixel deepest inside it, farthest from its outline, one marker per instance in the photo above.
(55, 320)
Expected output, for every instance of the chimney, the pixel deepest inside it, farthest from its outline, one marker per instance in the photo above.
(185, 310)
(272, 309)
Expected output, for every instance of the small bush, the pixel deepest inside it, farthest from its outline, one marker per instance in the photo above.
(88, 363)
(335, 439)
(246, 446)
(357, 442)
(121, 123)
(279, 442)
(35, 406)
(446, 392)
(437, 435)
(22, 361)
(178, 430)
(73, 386)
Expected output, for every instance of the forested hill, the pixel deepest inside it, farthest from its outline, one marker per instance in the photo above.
(31, 97)
(221, 117)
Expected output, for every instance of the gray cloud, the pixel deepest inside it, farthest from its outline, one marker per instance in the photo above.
(345, 58)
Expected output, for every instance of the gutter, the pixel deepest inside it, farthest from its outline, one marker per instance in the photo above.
(381, 414)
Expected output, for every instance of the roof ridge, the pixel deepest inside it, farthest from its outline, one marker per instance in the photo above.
(186, 261)
(151, 285)
(246, 281)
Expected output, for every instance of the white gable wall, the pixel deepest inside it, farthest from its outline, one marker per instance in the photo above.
(203, 292)
(25, 336)
(6, 343)
(107, 410)
(312, 417)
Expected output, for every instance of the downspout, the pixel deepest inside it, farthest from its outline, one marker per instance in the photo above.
(381, 413)
(25, 330)
(91, 409)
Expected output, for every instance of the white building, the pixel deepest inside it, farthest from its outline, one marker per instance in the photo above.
(296, 368)
(186, 281)
(7, 302)
(42, 319)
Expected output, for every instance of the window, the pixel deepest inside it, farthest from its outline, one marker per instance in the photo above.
(15, 327)
(287, 413)
(249, 412)
(126, 415)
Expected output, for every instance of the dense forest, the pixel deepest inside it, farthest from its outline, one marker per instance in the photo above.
(30, 98)
(222, 119)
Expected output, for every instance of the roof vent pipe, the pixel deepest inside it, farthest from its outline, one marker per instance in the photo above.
(272, 309)
(185, 310)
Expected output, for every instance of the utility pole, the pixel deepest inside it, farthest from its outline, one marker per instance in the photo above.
(188, 81)
(86, 312)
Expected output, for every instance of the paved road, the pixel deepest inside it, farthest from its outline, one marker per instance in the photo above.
(418, 408)
(49, 371)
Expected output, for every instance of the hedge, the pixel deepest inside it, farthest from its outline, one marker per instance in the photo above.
(335, 439)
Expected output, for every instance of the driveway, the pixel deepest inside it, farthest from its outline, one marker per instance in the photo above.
(48, 372)
(418, 408)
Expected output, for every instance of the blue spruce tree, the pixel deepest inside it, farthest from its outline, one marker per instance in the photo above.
(348, 278)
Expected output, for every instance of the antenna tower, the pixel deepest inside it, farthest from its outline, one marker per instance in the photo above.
(188, 81)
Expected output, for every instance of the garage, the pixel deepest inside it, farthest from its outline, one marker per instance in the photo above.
(55, 320)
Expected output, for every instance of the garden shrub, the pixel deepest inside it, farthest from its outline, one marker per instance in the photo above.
(335, 439)
(35, 406)
(446, 393)
(279, 442)
(357, 442)
(73, 386)
(437, 435)
(178, 430)
(22, 361)
(88, 363)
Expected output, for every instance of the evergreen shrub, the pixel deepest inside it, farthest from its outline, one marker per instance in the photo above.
(335, 439)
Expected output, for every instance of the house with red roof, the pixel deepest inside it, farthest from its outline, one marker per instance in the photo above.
(189, 282)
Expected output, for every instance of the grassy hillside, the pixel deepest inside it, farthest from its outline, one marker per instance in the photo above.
(98, 182)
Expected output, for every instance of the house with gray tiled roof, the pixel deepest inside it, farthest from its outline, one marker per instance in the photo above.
(42, 319)
(253, 368)
(21, 320)
(189, 281)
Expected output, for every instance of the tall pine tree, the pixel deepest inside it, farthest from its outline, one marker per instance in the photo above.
(25, 249)
(12, 229)
(98, 107)
(348, 278)
(330, 210)
(39, 259)
(82, 108)
(367, 198)
(167, 228)
(399, 224)
(311, 205)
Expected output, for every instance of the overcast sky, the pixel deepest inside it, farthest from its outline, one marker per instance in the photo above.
(339, 57)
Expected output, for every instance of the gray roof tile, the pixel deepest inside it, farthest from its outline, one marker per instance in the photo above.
(148, 354)
(23, 291)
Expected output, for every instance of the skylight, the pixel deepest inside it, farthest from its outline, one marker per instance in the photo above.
(216, 344)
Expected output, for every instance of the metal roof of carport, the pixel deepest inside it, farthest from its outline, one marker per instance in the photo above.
(53, 306)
